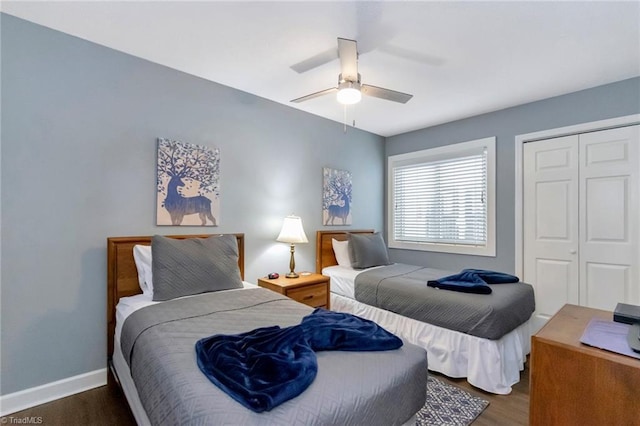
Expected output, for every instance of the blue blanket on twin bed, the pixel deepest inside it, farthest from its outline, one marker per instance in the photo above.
(267, 366)
(473, 281)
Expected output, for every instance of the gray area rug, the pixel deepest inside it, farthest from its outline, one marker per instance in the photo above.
(449, 405)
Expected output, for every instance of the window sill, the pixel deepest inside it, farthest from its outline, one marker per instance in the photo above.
(488, 251)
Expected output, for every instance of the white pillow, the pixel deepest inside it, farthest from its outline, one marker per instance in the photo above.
(142, 258)
(341, 250)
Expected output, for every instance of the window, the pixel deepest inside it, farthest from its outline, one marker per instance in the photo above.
(443, 199)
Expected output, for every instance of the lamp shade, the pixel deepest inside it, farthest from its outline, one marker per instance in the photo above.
(292, 231)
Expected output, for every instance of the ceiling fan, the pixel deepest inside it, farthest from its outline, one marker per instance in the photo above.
(350, 89)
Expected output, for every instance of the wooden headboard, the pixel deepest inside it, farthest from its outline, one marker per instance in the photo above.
(122, 275)
(324, 249)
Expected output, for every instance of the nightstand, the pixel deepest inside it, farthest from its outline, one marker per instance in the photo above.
(312, 290)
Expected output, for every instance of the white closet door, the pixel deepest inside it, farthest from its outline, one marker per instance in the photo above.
(551, 223)
(608, 218)
(582, 220)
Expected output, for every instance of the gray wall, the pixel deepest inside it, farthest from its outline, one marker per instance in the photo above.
(609, 101)
(78, 154)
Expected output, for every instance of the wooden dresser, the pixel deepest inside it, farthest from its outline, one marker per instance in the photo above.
(576, 384)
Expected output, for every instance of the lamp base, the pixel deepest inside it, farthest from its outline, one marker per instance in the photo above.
(292, 264)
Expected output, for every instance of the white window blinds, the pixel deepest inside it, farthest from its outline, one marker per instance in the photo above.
(440, 199)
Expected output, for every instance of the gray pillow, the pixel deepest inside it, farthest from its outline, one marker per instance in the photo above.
(193, 265)
(367, 250)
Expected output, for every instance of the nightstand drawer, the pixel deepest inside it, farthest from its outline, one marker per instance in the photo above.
(313, 295)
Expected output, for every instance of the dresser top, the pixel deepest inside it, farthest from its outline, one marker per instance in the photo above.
(566, 327)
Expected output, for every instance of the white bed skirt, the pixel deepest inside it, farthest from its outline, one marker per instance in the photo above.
(491, 365)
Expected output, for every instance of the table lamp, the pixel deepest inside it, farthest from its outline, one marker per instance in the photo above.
(292, 232)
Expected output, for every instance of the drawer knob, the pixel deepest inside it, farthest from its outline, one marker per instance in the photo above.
(308, 297)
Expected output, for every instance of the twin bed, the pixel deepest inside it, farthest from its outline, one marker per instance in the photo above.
(151, 353)
(483, 337)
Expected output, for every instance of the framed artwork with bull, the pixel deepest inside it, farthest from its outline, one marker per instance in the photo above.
(188, 184)
(336, 197)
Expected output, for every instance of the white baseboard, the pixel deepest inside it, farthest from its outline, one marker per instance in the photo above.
(31, 397)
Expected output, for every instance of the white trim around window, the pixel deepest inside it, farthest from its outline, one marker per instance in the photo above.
(482, 154)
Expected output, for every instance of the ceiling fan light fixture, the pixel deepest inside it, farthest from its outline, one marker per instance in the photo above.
(349, 94)
(350, 88)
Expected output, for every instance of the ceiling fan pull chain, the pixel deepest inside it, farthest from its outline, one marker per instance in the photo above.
(344, 120)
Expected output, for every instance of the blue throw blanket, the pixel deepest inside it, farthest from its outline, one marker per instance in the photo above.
(268, 366)
(473, 281)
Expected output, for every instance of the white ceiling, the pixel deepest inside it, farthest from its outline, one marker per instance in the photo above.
(458, 59)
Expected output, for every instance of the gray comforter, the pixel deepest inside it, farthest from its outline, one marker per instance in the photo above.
(356, 388)
(403, 289)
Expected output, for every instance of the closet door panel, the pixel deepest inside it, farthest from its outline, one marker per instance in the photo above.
(606, 285)
(551, 289)
(608, 217)
(550, 225)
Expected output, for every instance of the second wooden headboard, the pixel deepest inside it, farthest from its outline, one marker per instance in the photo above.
(324, 249)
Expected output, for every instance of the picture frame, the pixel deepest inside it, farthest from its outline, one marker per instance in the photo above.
(336, 197)
(188, 184)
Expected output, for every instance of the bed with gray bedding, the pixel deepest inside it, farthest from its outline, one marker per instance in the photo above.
(157, 341)
(403, 289)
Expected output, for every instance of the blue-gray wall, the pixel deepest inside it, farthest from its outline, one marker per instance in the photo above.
(608, 101)
(78, 156)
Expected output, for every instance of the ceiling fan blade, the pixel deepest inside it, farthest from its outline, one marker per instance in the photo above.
(371, 29)
(411, 55)
(315, 61)
(390, 95)
(348, 52)
(315, 95)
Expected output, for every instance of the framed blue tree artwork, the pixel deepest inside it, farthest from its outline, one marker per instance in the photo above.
(188, 184)
(336, 197)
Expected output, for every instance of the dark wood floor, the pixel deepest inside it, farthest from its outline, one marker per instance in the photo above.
(101, 406)
(511, 410)
(108, 407)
